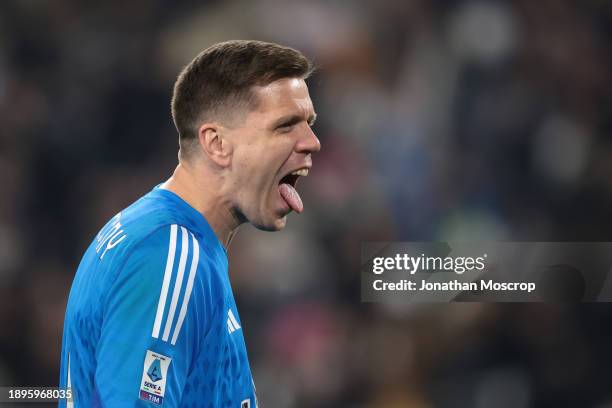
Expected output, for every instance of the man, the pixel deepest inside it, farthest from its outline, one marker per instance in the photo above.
(151, 318)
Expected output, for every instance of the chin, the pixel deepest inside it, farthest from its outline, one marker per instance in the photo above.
(275, 225)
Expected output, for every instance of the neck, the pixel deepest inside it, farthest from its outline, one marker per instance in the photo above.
(206, 197)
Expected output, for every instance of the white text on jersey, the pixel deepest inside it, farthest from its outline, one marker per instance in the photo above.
(110, 236)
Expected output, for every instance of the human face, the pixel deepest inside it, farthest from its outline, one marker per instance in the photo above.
(274, 140)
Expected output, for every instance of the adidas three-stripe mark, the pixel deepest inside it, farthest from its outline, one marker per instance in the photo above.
(232, 323)
(178, 283)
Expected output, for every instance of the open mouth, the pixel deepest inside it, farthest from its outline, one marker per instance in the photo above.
(286, 188)
(290, 179)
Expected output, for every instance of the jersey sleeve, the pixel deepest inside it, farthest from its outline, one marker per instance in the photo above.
(154, 315)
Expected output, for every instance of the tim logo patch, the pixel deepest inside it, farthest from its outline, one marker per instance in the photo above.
(153, 382)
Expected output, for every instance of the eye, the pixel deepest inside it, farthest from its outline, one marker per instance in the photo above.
(286, 128)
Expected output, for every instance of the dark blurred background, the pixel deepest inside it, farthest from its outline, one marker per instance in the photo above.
(440, 120)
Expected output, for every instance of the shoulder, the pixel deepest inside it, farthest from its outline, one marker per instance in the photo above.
(167, 274)
(152, 235)
(144, 224)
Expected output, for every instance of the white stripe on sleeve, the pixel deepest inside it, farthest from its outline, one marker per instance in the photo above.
(192, 274)
(178, 283)
(69, 401)
(166, 283)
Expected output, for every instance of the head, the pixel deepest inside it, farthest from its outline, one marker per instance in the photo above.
(244, 116)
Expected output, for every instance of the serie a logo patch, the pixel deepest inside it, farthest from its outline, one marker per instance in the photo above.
(153, 382)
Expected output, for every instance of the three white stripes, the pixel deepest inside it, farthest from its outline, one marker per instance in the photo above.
(232, 323)
(177, 285)
(166, 282)
(192, 273)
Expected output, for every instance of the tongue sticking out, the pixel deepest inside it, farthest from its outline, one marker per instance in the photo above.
(291, 196)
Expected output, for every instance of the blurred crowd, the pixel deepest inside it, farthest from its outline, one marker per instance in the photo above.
(439, 120)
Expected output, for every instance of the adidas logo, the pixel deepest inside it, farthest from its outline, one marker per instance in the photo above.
(232, 323)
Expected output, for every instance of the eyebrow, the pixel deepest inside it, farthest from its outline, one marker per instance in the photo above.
(293, 119)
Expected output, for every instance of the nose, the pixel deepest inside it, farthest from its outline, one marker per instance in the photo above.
(308, 142)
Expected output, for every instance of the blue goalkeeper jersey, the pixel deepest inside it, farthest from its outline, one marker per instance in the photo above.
(151, 319)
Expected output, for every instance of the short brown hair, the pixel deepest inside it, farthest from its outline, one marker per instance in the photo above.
(221, 77)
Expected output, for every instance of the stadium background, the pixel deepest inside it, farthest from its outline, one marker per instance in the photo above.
(439, 120)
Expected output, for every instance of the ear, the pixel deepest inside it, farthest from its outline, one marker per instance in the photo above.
(214, 144)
